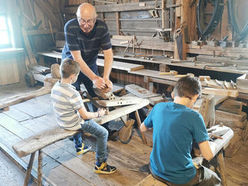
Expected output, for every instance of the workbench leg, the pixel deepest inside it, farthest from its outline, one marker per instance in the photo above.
(40, 168)
(29, 169)
(221, 164)
(149, 84)
(139, 124)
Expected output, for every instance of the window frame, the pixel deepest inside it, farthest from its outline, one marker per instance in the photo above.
(8, 29)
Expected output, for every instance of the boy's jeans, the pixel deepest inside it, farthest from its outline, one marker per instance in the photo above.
(101, 134)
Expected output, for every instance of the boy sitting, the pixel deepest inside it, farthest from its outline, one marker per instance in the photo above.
(175, 126)
(71, 115)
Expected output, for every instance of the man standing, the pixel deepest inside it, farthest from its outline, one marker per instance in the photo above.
(85, 36)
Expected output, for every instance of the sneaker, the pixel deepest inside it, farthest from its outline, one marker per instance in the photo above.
(105, 169)
(83, 149)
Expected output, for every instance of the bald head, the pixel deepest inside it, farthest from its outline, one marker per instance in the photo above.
(86, 11)
(86, 15)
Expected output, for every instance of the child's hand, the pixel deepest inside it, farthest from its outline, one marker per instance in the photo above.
(101, 112)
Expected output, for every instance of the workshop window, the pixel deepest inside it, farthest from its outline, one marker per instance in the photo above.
(6, 40)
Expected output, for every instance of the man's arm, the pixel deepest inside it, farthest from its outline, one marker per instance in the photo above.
(108, 61)
(206, 150)
(97, 81)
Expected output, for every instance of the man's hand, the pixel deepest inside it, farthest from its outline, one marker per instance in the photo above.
(99, 82)
(108, 85)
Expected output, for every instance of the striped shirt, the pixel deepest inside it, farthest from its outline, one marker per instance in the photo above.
(89, 44)
(66, 103)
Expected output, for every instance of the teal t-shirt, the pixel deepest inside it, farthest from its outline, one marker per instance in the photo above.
(175, 127)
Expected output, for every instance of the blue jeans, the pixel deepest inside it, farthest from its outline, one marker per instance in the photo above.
(86, 81)
(101, 134)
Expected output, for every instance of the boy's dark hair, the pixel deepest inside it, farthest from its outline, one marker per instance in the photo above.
(69, 67)
(187, 87)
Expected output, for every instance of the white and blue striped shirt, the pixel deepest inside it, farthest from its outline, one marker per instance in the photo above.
(66, 103)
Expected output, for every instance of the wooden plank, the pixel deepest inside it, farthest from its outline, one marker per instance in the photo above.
(119, 101)
(35, 107)
(207, 110)
(122, 66)
(221, 92)
(119, 112)
(63, 176)
(52, 54)
(17, 115)
(23, 97)
(14, 126)
(118, 24)
(231, 106)
(162, 81)
(148, 5)
(150, 180)
(188, 64)
(221, 165)
(154, 74)
(34, 143)
(32, 60)
(226, 60)
(240, 117)
(140, 91)
(100, 62)
(218, 100)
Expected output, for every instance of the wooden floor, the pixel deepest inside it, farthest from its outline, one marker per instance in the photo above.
(62, 167)
(60, 164)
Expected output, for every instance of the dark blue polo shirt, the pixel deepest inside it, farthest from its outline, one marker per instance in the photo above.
(89, 44)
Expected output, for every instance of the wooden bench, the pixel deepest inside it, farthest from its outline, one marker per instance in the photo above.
(41, 140)
(36, 143)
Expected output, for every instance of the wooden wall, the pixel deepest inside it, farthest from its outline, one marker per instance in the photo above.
(12, 66)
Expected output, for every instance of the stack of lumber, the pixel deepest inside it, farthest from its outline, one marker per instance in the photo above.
(230, 114)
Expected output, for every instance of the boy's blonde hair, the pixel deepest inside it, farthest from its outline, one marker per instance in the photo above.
(69, 67)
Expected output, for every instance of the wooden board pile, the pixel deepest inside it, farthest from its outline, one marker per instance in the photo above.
(230, 114)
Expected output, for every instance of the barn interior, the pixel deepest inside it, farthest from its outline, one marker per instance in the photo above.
(154, 44)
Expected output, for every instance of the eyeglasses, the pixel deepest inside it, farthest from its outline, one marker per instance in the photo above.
(84, 22)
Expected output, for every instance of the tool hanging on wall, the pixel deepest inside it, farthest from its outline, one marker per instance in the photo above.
(204, 26)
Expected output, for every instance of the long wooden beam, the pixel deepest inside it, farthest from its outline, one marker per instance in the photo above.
(149, 5)
(6, 102)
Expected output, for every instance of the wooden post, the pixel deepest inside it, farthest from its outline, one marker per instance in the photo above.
(32, 60)
(182, 16)
(40, 168)
(118, 25)
(221, 163)
(139, 124)
(163, 14)
(30, 165)
(225, 31)
(185, 22)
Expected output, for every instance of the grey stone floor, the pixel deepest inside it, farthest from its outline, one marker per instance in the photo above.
(10, 174)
